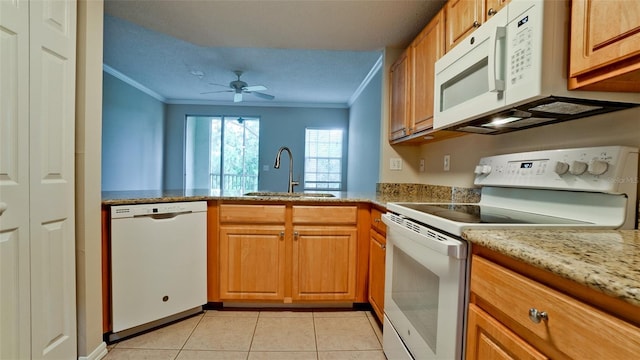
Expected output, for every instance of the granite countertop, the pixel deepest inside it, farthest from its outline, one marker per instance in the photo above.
(607, 261)
(158, 196)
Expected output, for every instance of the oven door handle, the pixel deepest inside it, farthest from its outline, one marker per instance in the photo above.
(439, 243)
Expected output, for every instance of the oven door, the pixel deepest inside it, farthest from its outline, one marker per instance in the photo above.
(425, 292)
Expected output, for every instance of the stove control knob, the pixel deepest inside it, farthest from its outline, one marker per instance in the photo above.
(486, 169)
(578, 167)
(597, 167)
(561, 168)
(478, 170)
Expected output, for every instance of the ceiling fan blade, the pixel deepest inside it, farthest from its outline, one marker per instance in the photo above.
(219, 84)
(263, 95)
(217, 91)
(254, 88)
(237, 97)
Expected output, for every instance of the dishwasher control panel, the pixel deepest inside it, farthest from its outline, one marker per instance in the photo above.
(127, 211)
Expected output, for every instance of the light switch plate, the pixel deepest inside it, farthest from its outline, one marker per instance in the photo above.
(395, 164)
(421, 165)
(447, 163)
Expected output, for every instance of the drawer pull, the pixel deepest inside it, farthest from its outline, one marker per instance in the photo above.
(537, 316)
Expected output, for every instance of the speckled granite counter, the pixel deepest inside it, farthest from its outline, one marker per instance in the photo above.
(607, 261)
(384, 193)
(157, 196)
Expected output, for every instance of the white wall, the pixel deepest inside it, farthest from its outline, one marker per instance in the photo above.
(364, 137)
(618, 128)
(88, 169)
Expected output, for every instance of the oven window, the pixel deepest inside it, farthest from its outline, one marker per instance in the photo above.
(415, 291)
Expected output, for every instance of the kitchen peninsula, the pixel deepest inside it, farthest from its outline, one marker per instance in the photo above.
(562, 260)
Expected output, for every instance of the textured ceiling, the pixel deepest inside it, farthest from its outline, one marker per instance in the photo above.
(305, 52)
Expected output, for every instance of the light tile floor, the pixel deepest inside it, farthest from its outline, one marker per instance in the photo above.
(259, 335)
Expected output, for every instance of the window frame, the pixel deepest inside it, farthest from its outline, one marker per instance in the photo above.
(341, 158)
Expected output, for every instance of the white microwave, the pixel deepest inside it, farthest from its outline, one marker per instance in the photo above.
(511, 74)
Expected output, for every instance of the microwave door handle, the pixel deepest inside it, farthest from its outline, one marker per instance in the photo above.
(496, 84)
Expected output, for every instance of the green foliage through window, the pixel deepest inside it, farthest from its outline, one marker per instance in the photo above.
(221, 153)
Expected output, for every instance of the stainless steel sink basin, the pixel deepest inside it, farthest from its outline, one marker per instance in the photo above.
(289, 195)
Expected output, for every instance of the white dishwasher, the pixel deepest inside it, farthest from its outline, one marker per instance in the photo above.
(158, 264)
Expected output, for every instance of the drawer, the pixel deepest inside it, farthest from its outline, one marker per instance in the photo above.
(339, 215)
(252, 214)
(376, 221)
(572, 328)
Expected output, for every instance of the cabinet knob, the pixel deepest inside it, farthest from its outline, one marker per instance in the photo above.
(281, 235)
(296, 235)
(383, 246)
(376, 220)
(491, 12)
(476, 24)
(537, 316)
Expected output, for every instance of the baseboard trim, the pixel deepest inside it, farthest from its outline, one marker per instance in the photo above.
(97, 354)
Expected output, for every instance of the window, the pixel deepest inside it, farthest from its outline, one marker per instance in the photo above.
(323, 159)
(221, 153)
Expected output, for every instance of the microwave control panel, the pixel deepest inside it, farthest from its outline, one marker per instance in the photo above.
(521, 56)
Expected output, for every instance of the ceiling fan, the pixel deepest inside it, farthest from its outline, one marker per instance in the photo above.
(239, 87)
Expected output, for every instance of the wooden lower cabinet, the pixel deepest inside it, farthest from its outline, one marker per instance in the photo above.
(324, 263)
(501, 325)
(252, 262)
(487, 338)
(377, 253)
(287, 253)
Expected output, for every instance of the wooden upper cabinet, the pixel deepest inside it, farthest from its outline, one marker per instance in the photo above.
(425, 50)
(605, 45)
(399, 78)
(491, 7)
(463, 17)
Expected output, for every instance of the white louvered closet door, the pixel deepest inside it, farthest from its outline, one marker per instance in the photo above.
(15, 328)
(37, 229)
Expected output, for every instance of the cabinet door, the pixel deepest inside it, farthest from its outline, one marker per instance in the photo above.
(491, 7)
(252, 262)
(489, 339)
(377, 250)
(605, 45)
(399, 97)
(603, 32)
(425, 50)
(463, 17)
(324, 263)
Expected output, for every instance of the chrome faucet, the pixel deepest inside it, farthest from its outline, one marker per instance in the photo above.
(277, 166)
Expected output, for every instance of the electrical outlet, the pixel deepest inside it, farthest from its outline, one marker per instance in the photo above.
(421, 165)
(447, 162)
(395, 164)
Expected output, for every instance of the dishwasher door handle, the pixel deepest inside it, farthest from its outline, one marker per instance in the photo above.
(164, 216)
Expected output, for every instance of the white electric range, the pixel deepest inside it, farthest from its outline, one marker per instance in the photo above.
(427, 260)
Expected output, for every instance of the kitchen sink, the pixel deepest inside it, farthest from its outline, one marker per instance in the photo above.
(289, 195)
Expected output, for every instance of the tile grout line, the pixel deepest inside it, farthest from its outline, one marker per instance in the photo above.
(253, 335)
(190, 334)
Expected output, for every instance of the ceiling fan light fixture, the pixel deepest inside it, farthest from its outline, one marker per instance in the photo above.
(239, 87)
